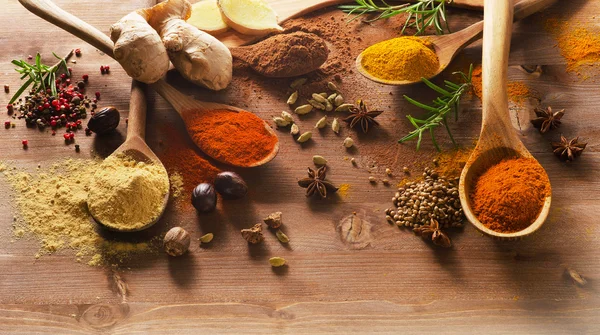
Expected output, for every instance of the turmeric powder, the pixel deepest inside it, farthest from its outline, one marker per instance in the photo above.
(579, 46)
(509, 196)
(404, 58)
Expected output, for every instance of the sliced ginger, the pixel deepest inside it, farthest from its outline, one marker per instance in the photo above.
(206, 16)
(250, 17)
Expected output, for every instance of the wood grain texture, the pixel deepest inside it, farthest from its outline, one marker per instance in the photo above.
(393, 284)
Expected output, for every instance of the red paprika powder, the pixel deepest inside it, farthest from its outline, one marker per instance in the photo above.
(509, 196)
(237, 138)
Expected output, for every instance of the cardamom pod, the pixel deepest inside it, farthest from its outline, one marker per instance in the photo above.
(304, 109)
(332, 86)
(298, 82)
(328, 106)
(277, 261)
(320, 98)
(321, 123)
(323, 94)
(287, 116)
(292, 99)
(348, 142)
(295, 129)
(281, 122)
(316, 104)
(207, 238)
(304, 137)
(335, 125)
(339, 99)
(282, 237)
(319, 160)
(332, 97)
(344, 107)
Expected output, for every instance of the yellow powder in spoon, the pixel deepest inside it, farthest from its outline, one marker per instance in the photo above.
(127, 195)
(403, 58)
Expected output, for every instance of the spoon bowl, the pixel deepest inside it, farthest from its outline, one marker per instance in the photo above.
(448, 46)
(135, 147)
(498, 140)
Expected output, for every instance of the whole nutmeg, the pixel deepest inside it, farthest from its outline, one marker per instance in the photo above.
(176, 241)
(104, 120)
(230, 185)
(204, 198)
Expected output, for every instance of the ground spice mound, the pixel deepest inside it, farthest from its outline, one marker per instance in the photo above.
(286, 55)
(579, 46)
(52, 207)
(127, 195)
(402, 58)
(238, 138)
(509, 196)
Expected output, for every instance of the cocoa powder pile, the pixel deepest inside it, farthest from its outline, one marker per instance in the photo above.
(285, 55)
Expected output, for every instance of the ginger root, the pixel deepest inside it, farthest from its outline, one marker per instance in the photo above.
(139, 49)
(198, 56)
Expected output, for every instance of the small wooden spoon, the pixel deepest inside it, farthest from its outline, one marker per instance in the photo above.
(498, 140)
(448, 46)
(289, 9)
(135, 146)
(50, 12)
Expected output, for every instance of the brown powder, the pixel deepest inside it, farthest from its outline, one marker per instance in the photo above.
(285, 55)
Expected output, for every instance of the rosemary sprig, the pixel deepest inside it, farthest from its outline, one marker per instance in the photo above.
(422, 14)
(39, 75)
(448, 101)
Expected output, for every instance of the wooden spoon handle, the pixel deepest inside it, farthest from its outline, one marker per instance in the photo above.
(136, 125)
(498, 20)
(50, 12)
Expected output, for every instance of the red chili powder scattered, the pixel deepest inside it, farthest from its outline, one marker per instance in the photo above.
(237, 138)
(517, 91)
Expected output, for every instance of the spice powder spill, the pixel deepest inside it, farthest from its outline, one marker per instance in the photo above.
(579, 46)
(509, 196)
(238, 138)
(403, 58)
(52, 207)
(127, 195)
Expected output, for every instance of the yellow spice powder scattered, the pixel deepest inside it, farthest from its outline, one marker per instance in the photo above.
(127, 195)
(403, 58)
(579, 46)
(52, 208)
(343, 190)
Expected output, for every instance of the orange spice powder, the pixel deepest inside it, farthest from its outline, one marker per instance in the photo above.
(239, 138)
(517, 91)
(579, 46)
(509, 196)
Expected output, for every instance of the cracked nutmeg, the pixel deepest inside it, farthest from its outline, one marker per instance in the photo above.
(316, 183)
(253, 235)
(434, 233)
(361, 116)
(568, 150)
(546, 119)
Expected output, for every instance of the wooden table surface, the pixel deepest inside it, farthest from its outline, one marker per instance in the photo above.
(391, 283)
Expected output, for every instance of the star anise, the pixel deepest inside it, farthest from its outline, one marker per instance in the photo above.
(362, 116)
(433, 232)
(316, 183)
(547, 120)
(566, 149)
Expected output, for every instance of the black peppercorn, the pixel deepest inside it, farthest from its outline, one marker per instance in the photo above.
(104, 120)
(204, 198)
(230, 185)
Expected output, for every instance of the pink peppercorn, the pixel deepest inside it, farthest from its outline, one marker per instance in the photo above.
(102, 69)
(85, 77)
(71, 136)
(53, 123)
(97, 95)
(6, 124)
(25, 143)
(78, 52)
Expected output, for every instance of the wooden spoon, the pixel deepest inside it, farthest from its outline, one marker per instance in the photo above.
(135, 146)
(498, 140)
(50, 12)
(289, 9)
(448, 46)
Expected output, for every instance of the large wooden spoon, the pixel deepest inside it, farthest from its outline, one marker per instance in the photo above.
(448, 46)
(498, 140)
(289, 9)
(184, 105)
(135, 147)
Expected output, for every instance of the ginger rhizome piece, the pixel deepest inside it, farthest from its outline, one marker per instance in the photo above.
(139, 48)
(206, 16)
(250, 17)
(198, 56)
